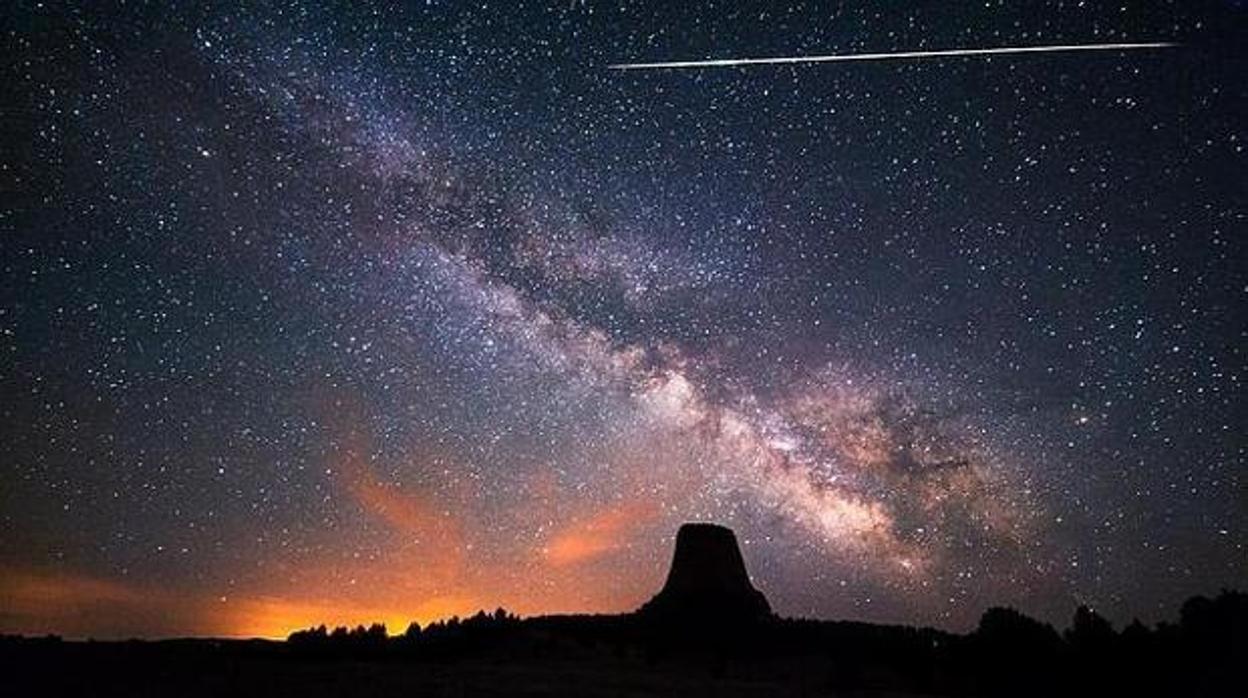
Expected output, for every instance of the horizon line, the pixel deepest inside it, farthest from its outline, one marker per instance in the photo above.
(896, 55)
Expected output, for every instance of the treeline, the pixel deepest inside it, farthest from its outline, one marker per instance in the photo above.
(1204, 653)
(469, 634)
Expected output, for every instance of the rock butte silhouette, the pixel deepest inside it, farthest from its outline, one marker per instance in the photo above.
(707, 580)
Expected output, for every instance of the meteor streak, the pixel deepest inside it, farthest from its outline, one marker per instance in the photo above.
(900, 55)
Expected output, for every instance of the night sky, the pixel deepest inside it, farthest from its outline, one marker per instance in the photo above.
(331, 314)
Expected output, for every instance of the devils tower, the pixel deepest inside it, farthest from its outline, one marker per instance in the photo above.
(707, 580)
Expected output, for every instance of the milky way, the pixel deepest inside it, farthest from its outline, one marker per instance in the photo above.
(316, 314)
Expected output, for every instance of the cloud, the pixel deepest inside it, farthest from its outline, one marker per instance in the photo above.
(599, 534)
(413, 516)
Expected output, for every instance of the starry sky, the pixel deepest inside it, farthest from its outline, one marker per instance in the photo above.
(329, 313)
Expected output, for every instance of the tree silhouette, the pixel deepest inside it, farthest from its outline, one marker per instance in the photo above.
(1089, 632)
(1015, 653)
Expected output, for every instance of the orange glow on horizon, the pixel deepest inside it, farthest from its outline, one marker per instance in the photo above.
(38, 603)
(276, 618)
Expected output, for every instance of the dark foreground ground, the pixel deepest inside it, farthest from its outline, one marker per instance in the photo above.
(1204, 654)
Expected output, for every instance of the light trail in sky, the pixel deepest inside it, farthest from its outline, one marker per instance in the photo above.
(900, 55)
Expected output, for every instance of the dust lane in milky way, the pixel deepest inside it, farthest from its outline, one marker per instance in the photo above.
(339, 315)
